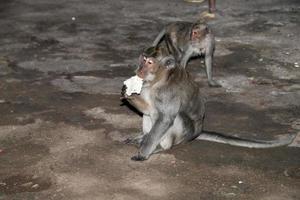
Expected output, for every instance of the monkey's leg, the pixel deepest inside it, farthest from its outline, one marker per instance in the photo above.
(171, 136)
(147, 124)
(153, 138)
(137, 140)
(173, 49)
(166, 142)
(188, 131)
(184, 129)
(208, 64)
(185, 58)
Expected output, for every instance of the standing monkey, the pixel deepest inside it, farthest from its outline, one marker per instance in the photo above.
(173, 109)
(186, 40)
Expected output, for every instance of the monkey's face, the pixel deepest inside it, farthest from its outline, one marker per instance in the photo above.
(148, 67)
(198, 32)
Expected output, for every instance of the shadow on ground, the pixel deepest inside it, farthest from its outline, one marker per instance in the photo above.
(62, 64)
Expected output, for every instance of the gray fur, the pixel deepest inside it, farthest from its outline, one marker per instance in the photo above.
(173, 112)
(177, 37)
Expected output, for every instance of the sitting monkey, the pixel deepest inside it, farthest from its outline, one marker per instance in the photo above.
(173, 109)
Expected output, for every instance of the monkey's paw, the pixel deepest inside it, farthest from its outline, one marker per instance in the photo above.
(138, 158)
(214, 83)
(123, 92)
(136, 141)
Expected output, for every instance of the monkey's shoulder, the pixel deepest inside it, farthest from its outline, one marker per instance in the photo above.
(179, 28)
(179, 25)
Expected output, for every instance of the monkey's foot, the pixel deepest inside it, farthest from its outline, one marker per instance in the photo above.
(207, 15)
(134, 140)
(194, 1)
(138, 158)
(214, 83)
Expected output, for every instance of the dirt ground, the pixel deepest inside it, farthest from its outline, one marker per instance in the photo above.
(62, 64)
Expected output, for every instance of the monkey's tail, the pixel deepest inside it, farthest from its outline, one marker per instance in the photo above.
(249, 143)
(159, 37)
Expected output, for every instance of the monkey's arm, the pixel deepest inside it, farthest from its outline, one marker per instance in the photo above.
(152, 140)
(139, 103)
(162, 121)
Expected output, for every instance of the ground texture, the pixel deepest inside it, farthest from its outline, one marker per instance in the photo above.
(62, 64)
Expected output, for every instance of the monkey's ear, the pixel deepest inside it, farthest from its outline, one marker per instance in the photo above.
(169, 62)
(150, 51)
(141, 59)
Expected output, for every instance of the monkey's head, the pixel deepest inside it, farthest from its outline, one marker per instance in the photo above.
(151, 64)
(199, 31)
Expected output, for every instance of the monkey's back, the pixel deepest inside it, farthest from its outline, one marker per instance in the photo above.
(182, 88)
(179, 32)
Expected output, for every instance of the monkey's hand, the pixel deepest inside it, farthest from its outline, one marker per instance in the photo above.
(213, 83)
(138, 158)
(131, 98)
(123, 92)
(136, 140)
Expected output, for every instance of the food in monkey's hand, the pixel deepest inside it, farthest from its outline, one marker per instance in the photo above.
(133, 85)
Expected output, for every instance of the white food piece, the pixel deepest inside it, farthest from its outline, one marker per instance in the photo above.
(134, 85)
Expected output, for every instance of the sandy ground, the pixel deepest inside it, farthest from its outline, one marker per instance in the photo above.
(62, 64)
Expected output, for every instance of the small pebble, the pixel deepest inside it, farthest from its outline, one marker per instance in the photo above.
(261, 59)
(27, 184)
(287, 53)
(2, 184)
(35, 186)
(231, 194)
(240, 182)
(73, 18)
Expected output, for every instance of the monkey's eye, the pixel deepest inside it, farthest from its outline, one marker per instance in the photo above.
(150, 62)
(144, 59)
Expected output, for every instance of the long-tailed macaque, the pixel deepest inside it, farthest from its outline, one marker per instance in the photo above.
(173, 109)
(186, 40)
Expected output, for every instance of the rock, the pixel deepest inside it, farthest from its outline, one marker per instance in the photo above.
(35, 186)
(27, 184)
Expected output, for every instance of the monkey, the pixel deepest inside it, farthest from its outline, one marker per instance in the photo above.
(185, 40)
(173, 109)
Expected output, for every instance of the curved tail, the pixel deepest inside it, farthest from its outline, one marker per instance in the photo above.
(159, 37)
(249, 143)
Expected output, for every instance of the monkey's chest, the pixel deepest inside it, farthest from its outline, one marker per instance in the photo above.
(193, 49)
(146, 96)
